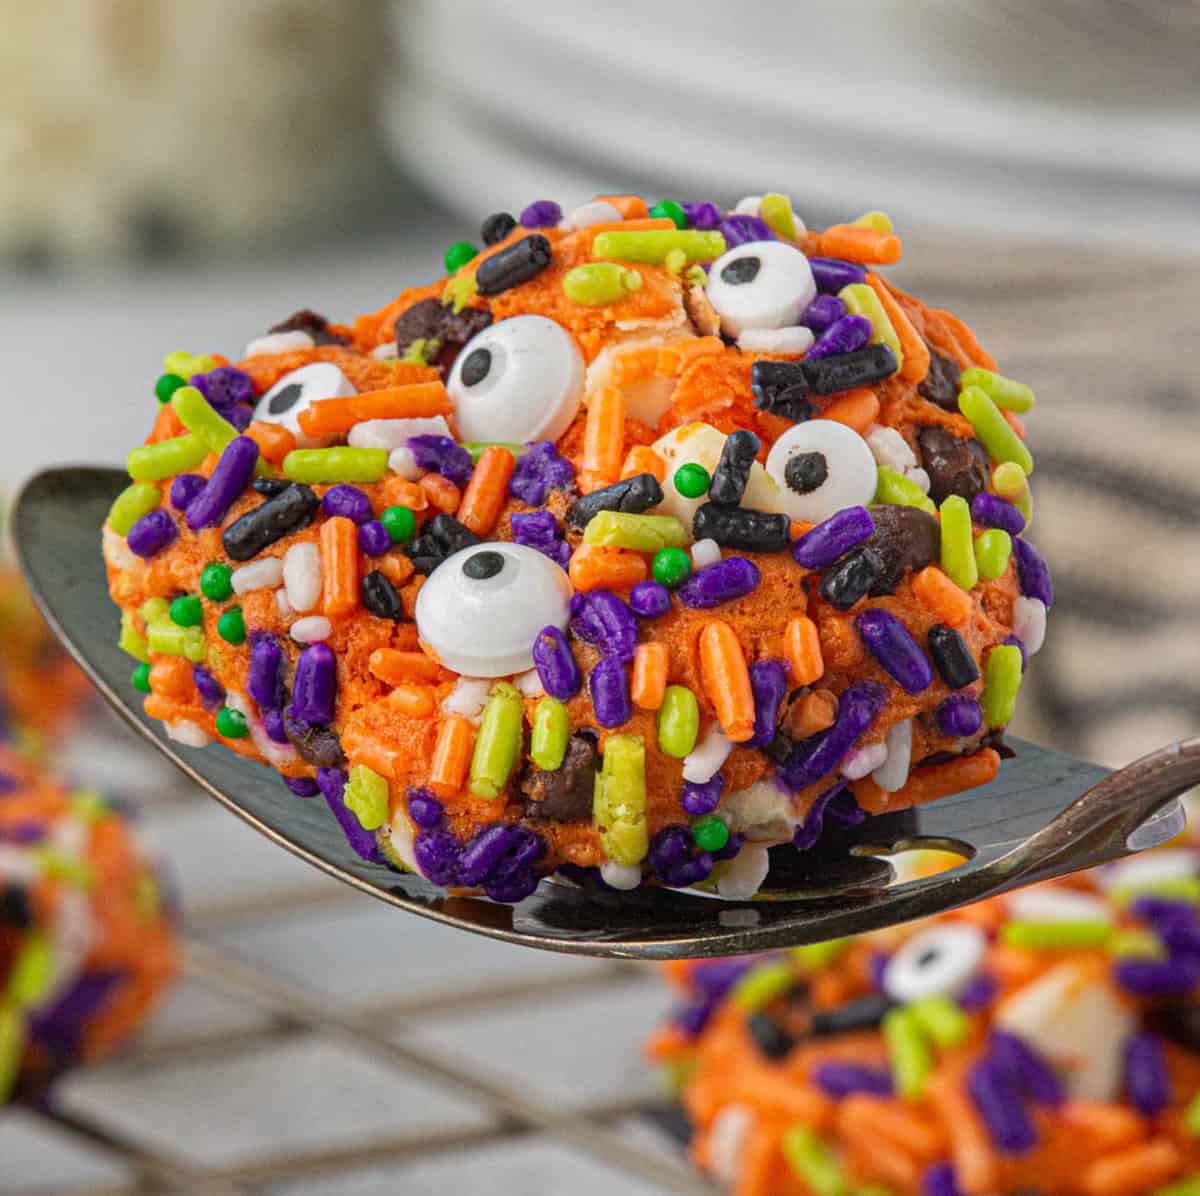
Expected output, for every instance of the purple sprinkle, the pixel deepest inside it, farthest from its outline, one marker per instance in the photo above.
(240, 417)
(831, 275)
(542, 213)
(702, 797)
(8, 783)
(722, 581)
(993, 511)
(601, 619)
(845, 810)
(437, 854)
(302, 786)
(939, 1180)
(484, 852)
(1017, 642)
(440, 454)
(512, 886)
(649, 600)
(715, 977)
(23, 833)
(533, 528)
(314, 687)
(151, 534)
(819, 547)
(425, 810)
(538, 470)
(332, 782)
(275, 727)
(184, 488)
(1001, 1108)
(1033, 573)
(740, 228)
(266, 684)
(347, 501)
(732, 846)
(958, 716)
(557, 667)
(888, 640)
(847, 335)
(769, 683)
(878, 966)
(674, 857)
(373, 538)
(978, 993)
(1146, 1078)
(1025, 1069)
(704, 215)
(823, 311)
(809, 831)
(1157, 977)
(57, 1027)
(1164, 912)
(224, 387)
(212, 694)
(695, 1016)
(844, 1079)
(233, 473)
(820, 754)
(609, 685)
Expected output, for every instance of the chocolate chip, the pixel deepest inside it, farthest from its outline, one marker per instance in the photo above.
(1179, 1023)
(905, 539)
(942, 382)
(314, 744)
(442, 537)
(432, 320)
(315, 324)
(564, 794)
(15, 907)
(955, 464)
(851, 578)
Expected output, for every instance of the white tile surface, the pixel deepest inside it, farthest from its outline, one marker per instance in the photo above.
(35, 1155)
(192, 1010)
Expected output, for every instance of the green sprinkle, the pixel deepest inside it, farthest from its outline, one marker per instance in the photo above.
(1004, 392)
(776, 210)
(958, 543)
(678, 721)
(1135, 944)
(498, 743)
(551, 732)
(814, 957)
(861, 300)
(668, 209)
(1055, 936)
(89, 806)
(367, 795)
(459, 291)
(187, 611)
(422, 351)
(32, 971)
(710, 833)
(198, 415)
(59, 866)
(1185, 1187)
(195, 646)
(458, 255)
(1001, 682)
(155, 610)
(941, 1020)
(692, 480)
(476, 447)
(132, 642)
(141, 678)
(671, 567)
(1182, 888)
(216, 582)
(231, 724)
(694, 276)
(231, 626)
(186, 364)
(908, 1052)
(12, 1049)
(619, 800)
(131, 504)
(814, 1162)
(166, 639)
(316, 466)
(992, 550)
(400, 523)
(157, 462)
(597, 284)
(992, 429)
(894, 488)
(881, 222)
(147, 897)
(640, 533)
(167, 385)
(1191, 1117)
(654, 246)
(761, 985)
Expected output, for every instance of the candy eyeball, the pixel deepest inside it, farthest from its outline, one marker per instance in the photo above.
(940, 961)
(822, 467)
(761, 284)
(518, 380)
(299, 390)
(481, 610)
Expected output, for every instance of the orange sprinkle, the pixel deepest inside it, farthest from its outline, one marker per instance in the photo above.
(274, 440)
(899, 1124)
(171, 677)
(727, 680)
(815, 712)
(858, 243)
(975, 1163)
(632, 207)
(649, 682)
(1015, 422)
(335, 417)
(442, 492)
(400, 492)
(857, 409)
(396, 567)
(393, 667)
(798, 528)
(451, 756)
(947, 602)
(914, 349)
(641, 459)
(840, 645)
(1108, 1127)
(672, 359)
(339, 565)
(802, 647)
(1140, 1168)
(666, 1042)
(593, 567)
(603, 439)
(167, 425)
(931, 782)
(365, 747)
(487, 491)
(413, 701)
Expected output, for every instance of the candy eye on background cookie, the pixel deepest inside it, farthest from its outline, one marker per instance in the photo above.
(296, 392)
(938, 962)
(760, 285)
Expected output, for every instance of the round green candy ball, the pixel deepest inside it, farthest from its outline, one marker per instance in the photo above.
(216, 582)
(691, 480)
(672, 211)
(710, 833)
(231, 626)
(167, 385)
(458, 255)
(399, 522)
(141, 678)
(187, 611)
(671, 567)
(231, 724)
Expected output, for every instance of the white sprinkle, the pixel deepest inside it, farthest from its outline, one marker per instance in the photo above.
(18, 865)
(621, 876)
(118, 554)
(258, 575)
(893, 772)
(279, 342)
(919, 478)
(312, 630)
(468, 698)
(386, 351)
(302, 576)
(743, 876)
(394, 433)
(703, 761)
(599, 211)
(890, 449)
(859, 762)
(1146, 871)
(400, 839)
(1029, 622)
(1057, 905)
(405, 464)
(749, 205)
(794, 339)
(282, 605)
(274, 753)
(530, 684)
(705, 552)
(188, 733)
(69, 836)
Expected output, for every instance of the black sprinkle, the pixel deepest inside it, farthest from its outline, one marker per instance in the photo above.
(514, 264)
(780, 388)
(804, 472)
(289, 511)
(482, 565)
(496, 227)
(941, 384)
(380, 598)
(315, 744)
(733, 470)
(772, 1040)
(631, 496)
(443, 537)
(270, 486)
(865, 1013)
(851, 578)
(951, 657)
(15, 908)
(743, 527)
(831, 375)
(315, 324)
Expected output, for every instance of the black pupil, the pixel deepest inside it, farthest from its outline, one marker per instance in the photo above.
(483, 565)
(476, 366)
(741, 270)
(928, 957)
(286, 399)
(805, 472)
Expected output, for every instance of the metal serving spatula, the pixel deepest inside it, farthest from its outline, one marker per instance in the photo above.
(1046, 814)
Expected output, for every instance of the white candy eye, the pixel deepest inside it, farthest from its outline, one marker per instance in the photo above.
(297, 391)
(940, 961)
(517, 381)
(822, 467)
(481, 609)
(761, 284)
